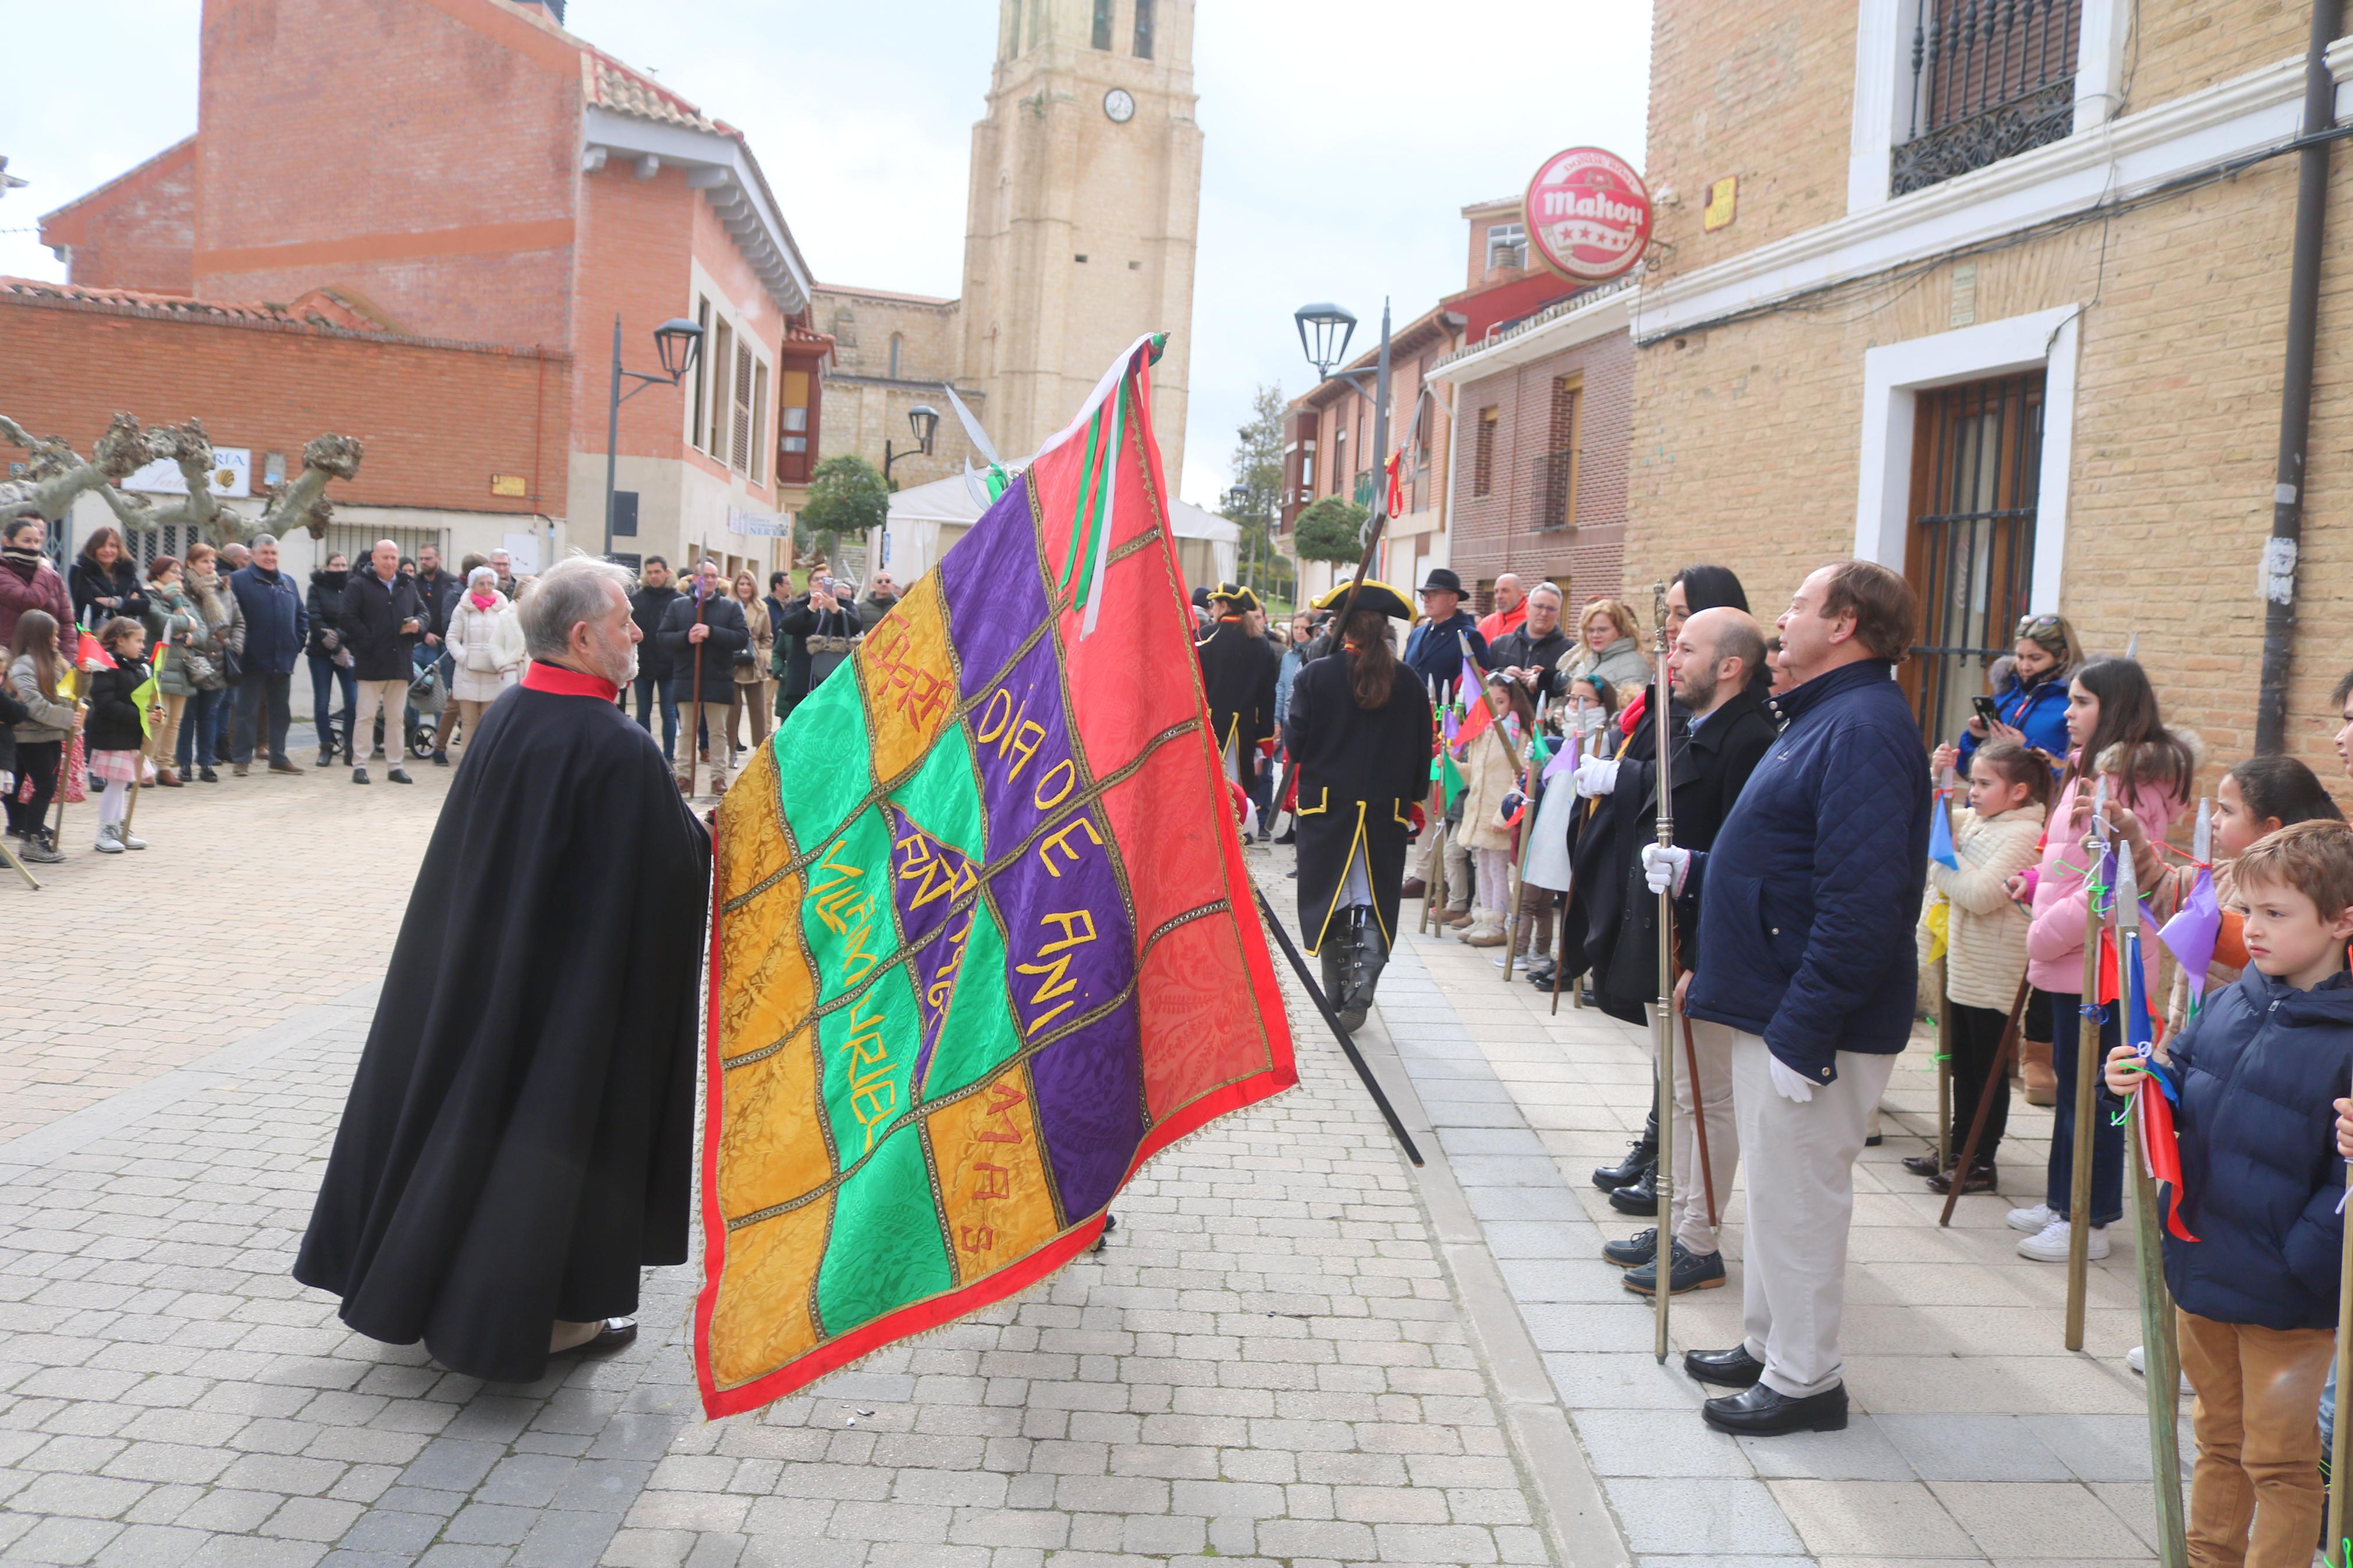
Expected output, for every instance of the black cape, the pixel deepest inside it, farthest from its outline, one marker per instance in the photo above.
(1608, 834)
(517, 1142)
(1361, 774)
(1237, 673)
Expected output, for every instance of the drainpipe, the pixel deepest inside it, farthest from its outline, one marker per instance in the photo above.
(2295, 393)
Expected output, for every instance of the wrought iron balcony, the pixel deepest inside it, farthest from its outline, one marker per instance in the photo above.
(1991, 78)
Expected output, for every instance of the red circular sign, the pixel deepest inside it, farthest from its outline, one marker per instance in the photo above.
(1588, 214)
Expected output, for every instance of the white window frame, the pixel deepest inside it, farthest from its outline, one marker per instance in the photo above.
(1893, 378)
(1883, 85)
(1518, 242)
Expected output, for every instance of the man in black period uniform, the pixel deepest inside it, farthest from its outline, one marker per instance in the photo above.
(1238, 671)
(1359, 733)
(516, 1148)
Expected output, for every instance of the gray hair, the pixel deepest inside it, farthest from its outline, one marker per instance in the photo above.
(1552, 588)
(485, 574)
(258, 540)
(566, 594)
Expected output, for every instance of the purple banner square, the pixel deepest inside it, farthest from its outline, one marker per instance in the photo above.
(994, 587)
(1021, 746)
(1089, 1087)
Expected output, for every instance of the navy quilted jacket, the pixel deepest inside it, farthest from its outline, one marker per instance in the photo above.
(2256, 1070)
(1808, 900)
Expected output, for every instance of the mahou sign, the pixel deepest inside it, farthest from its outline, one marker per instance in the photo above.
(1588, 214)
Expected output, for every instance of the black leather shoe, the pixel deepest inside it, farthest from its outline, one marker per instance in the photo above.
(1923, 1165)
(1641, 1198)
(1689, 1271)
(616, 1332)
(1982, 1179)
(1642, 1246)
(1734, 1368)
(1110, 1223)
(1632, 1168)
(1759, 1412)
(1540, 975)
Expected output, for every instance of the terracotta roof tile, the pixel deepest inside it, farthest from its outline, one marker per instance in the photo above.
(610, 85)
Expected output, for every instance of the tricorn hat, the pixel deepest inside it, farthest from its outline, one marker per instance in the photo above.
(1372, 596)
(1241, 598)
(1441, 579)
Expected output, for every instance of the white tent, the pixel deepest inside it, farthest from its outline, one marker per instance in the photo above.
(927, 518)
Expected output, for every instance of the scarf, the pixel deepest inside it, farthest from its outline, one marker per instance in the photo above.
(483, 601)
(25, 564)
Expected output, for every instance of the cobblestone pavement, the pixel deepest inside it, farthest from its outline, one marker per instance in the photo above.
(310, 875)
(1270, 1364)
(1975, 1437)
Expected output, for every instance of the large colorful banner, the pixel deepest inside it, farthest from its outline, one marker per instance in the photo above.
(983, 941)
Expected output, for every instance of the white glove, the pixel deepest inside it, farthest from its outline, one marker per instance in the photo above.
(1664, 866)
(1596, 775)
(1788, 1082)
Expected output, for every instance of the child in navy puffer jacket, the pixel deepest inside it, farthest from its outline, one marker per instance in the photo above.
(2258, 1072)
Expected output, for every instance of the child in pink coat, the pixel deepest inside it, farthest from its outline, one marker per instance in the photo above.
(2118, 734)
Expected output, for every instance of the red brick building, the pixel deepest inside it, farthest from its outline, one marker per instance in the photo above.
(466, 173)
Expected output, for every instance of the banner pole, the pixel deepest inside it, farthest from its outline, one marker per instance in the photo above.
(2087, 1070)
(1663, 1036)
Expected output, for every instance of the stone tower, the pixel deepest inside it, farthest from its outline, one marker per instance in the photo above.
(1084, 208)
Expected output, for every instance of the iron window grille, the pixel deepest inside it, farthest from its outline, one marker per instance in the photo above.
(1991, 78)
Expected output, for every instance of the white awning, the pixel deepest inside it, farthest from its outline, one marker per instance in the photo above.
(926, 520)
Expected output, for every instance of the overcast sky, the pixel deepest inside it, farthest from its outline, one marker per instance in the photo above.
(1343, 139)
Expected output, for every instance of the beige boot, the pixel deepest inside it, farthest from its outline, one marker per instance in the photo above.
(2035, 1074)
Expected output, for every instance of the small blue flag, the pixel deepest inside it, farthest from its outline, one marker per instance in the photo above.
(1940, 835)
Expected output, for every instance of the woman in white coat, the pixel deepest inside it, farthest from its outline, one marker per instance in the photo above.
(485, 642)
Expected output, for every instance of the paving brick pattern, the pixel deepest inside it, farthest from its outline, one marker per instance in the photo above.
(309, 875)
(1975, 1436)
(1268, 1365)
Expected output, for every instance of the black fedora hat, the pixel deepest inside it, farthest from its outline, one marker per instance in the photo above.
(1442, 580)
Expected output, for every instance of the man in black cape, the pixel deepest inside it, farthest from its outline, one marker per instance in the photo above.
(1616, 824)
(1238, 671)
(1362, 776)
(516, 1145)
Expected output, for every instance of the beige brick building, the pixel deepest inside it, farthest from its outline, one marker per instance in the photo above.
(1080, 234)
(2050, 379)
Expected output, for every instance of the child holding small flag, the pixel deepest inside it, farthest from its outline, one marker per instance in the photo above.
(2254, 1079)
(122, 704)
(1490, 776)
(1997, 838)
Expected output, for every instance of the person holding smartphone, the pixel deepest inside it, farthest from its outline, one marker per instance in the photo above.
(2029, 708)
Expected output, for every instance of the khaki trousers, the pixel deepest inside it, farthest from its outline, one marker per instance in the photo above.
(1458, 865)
(392, 697)
(1800, 1203)
(163, 741)
(2256, 1417)
(469, 717)
(682, 754)
(1687, 1216)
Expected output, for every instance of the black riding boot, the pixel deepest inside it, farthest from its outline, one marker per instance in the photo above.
(1365, 956)
(1638, 1159)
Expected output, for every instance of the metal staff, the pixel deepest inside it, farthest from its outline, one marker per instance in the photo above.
(1663, 1026)
(1340, 1030)
(2336, 1553)
(2163, 1367)
(2087, 1067)
(693, 750)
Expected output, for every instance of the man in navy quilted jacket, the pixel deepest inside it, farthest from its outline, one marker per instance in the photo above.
(1807, 903)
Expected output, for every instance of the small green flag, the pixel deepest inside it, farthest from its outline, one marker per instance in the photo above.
(1451, 778)
(147, 694)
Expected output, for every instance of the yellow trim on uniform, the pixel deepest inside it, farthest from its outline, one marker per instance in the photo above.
(1400, 818)
(1340, 889)
(1324, 805)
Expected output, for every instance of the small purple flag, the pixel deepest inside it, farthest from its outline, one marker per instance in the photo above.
(1940, 835)
(2192, 932)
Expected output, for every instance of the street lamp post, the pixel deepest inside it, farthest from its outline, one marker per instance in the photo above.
(924, 421)
(678, 342)
(1318, 325)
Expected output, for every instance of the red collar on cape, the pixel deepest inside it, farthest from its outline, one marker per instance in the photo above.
(558, 681)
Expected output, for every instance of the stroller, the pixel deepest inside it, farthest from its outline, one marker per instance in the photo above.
(428, 698)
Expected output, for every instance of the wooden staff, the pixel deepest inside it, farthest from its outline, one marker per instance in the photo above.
(1518, 760)
(693, 748)
(1699, 1122)
(2162, 1367)
(1945, 1022)
(1591, 745)
(1663, 1031)
(2087, 1069)
(2000, 1070)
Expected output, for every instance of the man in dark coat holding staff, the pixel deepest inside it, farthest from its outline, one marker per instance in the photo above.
(1238, 671)
(516, 1145)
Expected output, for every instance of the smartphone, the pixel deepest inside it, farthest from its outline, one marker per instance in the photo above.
(1987, 710)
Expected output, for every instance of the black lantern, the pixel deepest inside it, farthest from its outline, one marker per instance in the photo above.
(1324, 331)
(677, 341)
(924, 421)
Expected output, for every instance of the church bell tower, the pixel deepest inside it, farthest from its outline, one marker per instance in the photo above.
(1083, 213)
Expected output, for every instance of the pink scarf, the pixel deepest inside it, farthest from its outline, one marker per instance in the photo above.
(483, 600)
